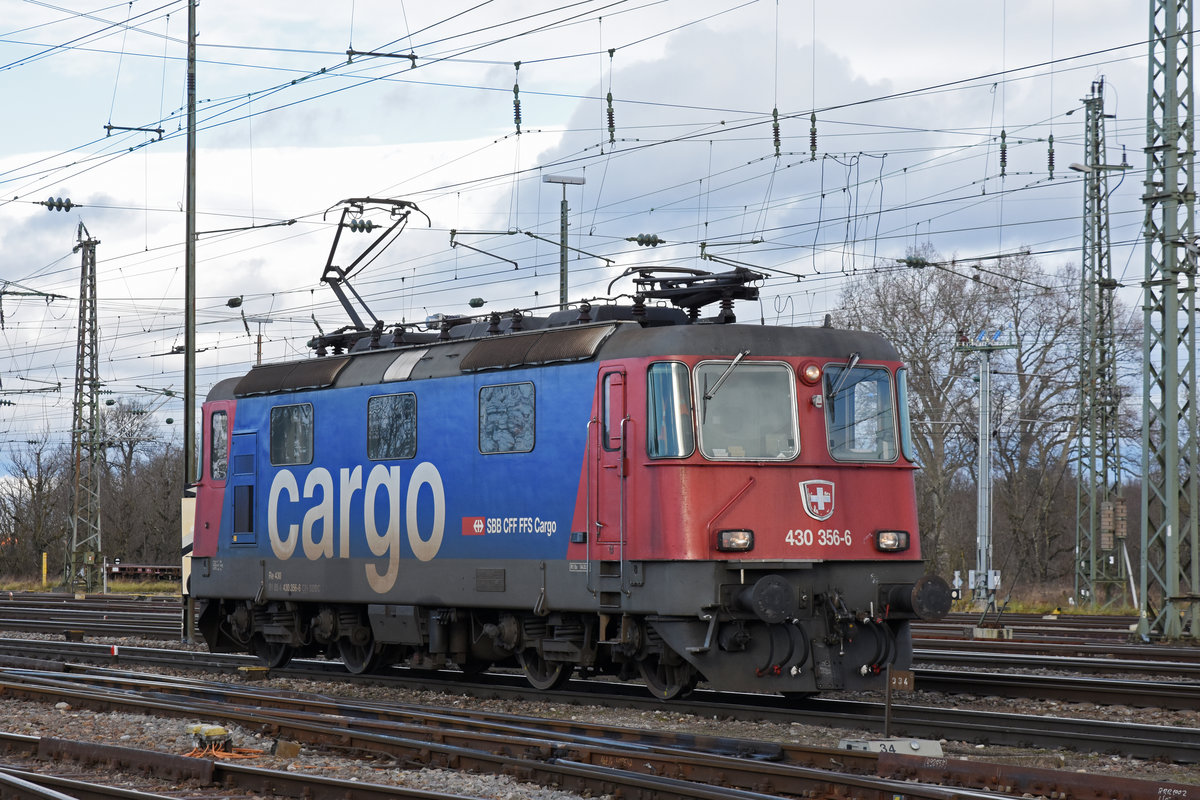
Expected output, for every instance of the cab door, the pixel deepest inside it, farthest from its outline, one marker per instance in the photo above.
(607, 539)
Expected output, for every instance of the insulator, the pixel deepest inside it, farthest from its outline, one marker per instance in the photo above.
(1003, 153)
(517, 98)
(812, 136)
(612, 121)
(1050, 155)
(362, 226)
(775, 128)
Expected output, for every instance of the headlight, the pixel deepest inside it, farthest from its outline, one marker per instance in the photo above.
(735, 541)
(891, 541)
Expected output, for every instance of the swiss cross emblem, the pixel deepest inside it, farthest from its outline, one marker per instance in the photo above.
(818, 498)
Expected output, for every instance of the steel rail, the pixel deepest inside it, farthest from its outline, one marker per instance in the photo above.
(1141, 741)
(630, 772)
(749, 765)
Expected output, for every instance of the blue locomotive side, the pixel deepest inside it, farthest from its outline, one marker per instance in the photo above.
(487, 469)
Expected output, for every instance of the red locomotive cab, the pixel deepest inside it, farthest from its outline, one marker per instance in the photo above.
(745, 458)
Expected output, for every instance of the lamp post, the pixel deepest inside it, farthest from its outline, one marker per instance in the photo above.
(984, 584)
(562, 232)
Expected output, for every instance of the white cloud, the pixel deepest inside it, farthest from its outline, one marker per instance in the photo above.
(695, 161)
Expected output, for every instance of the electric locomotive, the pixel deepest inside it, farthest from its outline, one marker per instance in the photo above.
(629, 489)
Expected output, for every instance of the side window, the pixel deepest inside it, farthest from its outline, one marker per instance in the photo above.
(614, 409)
(218, 445)
(906, 440)
(392, 426)
(506, 418)
(858, 414)
(291, 435)
(669, 431)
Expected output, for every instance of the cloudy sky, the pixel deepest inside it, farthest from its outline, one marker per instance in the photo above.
(911, 102)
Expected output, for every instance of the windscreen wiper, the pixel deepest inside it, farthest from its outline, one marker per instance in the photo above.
(711, 393)
(837, 387)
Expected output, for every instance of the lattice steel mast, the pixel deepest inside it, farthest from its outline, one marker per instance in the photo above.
(87, 452)
(1100, 510)
(1169, 569)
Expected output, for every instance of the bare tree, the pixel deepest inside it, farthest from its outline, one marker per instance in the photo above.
(920, 308)
(923, 308)
(1036, 394)
(140, 502)
(34, 504)
(153, 509)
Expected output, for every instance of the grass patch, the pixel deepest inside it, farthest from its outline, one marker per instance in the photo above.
(143, 587)
(1042, 607)
(119, 586)
(11, 584)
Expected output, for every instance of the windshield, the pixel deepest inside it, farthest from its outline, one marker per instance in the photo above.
(859, 417)
(753, 414)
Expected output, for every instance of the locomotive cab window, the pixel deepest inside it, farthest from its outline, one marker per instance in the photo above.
(669, 433)
(906, 440)
(747, 411)
(613, 416)
(392, 426)
(506, 418)
(218, 445)
(858, 413)
(291, 435)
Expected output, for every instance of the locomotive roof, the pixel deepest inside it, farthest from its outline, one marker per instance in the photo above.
(553, 345)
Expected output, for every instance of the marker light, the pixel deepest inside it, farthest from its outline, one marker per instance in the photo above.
(891, 541)
(735, 541)
(810, 374)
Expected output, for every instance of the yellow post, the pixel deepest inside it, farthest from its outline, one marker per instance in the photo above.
(43, 570)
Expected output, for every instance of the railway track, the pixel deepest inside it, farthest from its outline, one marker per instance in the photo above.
(148, 617)
(160, 617)
(583, 757)
(1046, 627)
(1171, 743)
(47, 768)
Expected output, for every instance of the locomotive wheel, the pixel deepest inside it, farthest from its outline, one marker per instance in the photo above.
(358, 658)
(541, 673)
(667, 681)
(273, 655)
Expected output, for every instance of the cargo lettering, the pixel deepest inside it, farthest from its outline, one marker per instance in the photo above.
(315, 532)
